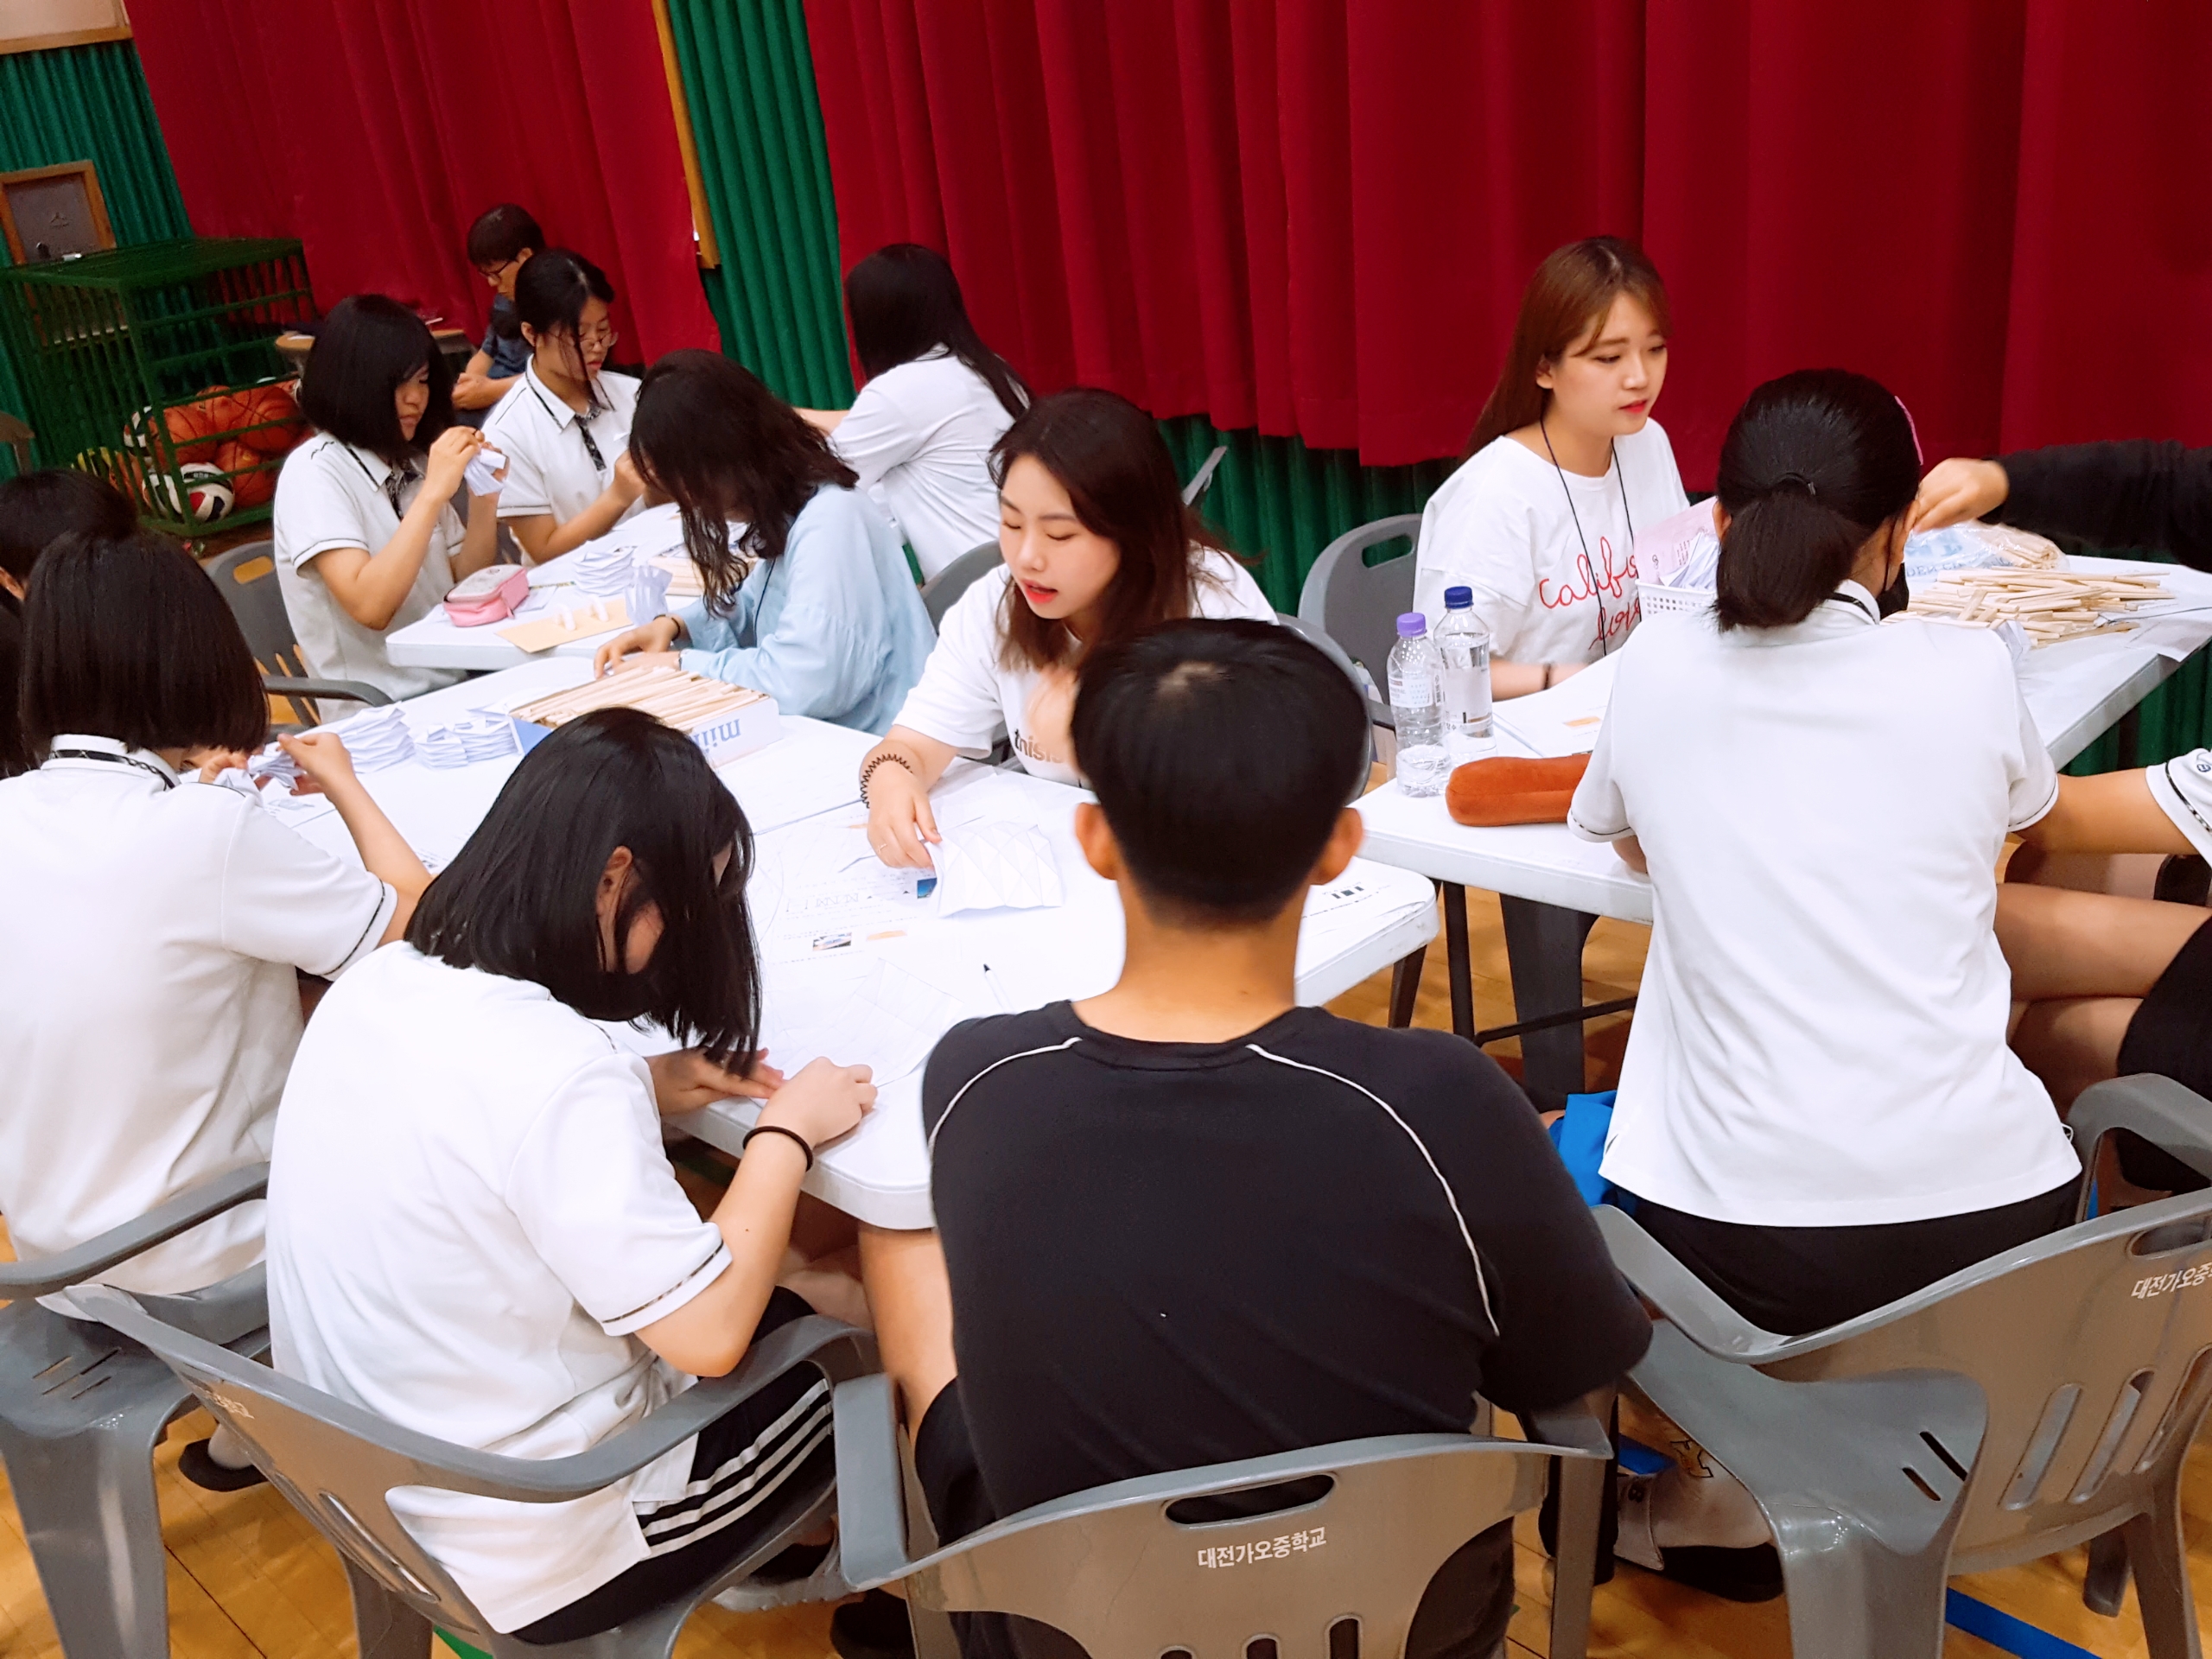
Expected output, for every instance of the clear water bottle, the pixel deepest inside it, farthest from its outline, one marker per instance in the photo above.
(1464, 643)
(1417, 706)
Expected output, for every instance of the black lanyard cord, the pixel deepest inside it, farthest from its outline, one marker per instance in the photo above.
(1612, 465)
(583, 425)
(153, 771)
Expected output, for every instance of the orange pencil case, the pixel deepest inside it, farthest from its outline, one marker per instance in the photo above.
(1508, 789)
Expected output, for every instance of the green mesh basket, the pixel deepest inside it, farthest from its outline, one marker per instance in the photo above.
(122, 355)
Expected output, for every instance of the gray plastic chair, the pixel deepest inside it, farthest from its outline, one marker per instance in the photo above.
(81, 1410)
(337, 1462)
(1358, 604)
(2040, 1400)
(247, 576)
(1337, 654)
(1113, 1568)
(1194, 492)
(939, 592)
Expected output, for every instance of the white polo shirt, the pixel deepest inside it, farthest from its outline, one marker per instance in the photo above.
(332, 495)
(469, 1212)
(550, 466)
(1549, 554)
(2183, 789)
(969, 695)
(920, 437)
(149, 1007)
(1820, 1040)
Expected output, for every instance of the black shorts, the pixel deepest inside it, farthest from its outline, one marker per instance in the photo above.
(2171, 1036)
(1462, 1614)
(1792, 1279)
(744, 1459)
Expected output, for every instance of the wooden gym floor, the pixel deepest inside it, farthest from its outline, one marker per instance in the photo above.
(247, 1577)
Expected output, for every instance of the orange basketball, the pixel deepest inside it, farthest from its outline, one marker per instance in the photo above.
(274, 402)
(190, 428)
(253, 475)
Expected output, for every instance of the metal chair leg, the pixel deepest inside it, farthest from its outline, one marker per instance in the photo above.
(1405, 986)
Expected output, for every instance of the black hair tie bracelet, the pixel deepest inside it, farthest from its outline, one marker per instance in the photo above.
(792, 1135)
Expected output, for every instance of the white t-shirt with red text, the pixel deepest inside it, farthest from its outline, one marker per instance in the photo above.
(1548, 553)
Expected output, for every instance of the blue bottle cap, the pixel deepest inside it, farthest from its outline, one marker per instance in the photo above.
(1413, 625)
(1459, 599)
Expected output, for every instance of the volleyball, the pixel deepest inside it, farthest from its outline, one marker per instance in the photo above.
(138, 431)
(207, 493)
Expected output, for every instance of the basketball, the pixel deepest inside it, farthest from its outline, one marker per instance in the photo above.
(252, 478)
(189, 425)
(207, 493)
(273, 402)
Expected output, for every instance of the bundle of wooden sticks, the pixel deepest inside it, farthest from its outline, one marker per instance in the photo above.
(687, 701)
(2050, 605)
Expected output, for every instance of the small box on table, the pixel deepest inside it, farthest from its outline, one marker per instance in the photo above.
(725, 720)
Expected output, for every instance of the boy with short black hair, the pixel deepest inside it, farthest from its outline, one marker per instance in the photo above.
(1187, 1220)
(500, 243)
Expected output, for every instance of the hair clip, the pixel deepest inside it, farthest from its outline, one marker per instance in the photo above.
(1811, 488)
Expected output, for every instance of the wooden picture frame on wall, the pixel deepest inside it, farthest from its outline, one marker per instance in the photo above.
(48, 212)
(34, 25)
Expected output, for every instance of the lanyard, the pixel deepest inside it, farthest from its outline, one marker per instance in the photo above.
(396, 479)
(583, 427)
(154, 773)
(1613, 466)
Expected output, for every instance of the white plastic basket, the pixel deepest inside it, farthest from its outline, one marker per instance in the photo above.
(1672, 601)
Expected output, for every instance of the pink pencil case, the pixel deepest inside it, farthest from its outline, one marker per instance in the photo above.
(492, 595)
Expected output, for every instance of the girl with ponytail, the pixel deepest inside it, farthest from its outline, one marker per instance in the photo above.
(1818, 1113)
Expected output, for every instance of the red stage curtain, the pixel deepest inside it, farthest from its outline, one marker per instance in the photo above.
(1295, 214)
(376, 133)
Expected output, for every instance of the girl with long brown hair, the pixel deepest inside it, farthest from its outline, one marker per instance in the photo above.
(1565, 463)
(1098, 547)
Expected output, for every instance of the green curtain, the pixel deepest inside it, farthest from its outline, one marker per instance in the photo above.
(88, 102)
(777, 296)
(2173, 720)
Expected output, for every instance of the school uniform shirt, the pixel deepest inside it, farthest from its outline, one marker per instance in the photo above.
(559, 461)
(969, 695)
(1167, 1254)
(1548, 553)
(149, 1005)
(920, 437)
(831, 627)
(2183, 789)
(1821, 1037)
(332, 495)
(469, 1215)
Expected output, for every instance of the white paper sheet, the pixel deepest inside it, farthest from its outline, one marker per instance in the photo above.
(1564, 720)
(787, 782)
(856, 1009)
(996, 866)
(828, 893)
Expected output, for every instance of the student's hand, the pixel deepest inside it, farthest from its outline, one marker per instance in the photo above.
(322, 760)
(823, 1102)
(627, 485)
(449, 457)
(499, 476)
(1957, 490)
(211, 763)
(1052, 710)
(687, 1079)
(901, 826)
(653, 642)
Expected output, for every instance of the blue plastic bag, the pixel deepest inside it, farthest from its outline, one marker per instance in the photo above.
(1580, 1137)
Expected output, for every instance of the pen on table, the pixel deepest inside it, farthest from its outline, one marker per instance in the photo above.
(997, 995)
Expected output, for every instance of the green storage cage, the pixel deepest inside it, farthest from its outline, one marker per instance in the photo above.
(147, 364)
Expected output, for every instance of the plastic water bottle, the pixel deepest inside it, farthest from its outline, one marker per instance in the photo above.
(1464, 643)
(1417, 706)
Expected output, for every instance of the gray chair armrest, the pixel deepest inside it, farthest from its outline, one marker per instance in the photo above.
(2177, 1121)
(50, 1274)
(1689, 1304)
(1571, 1427)
(871, 1485)
(284, 685)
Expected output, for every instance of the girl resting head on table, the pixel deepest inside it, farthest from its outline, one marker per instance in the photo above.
(808, 597)
(1565, 465)
(473, 1230)
(565, 428)
(367, 537)
(149, 1028)
(1098, 547)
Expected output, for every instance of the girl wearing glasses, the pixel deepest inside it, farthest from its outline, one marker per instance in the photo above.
(565, 428)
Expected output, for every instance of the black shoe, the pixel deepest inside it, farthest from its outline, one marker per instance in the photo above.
(790, 1565)
(874, 1627)
(201, 1469)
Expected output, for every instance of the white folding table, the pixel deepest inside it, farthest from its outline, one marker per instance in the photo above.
(801, 789)
(1553, 886)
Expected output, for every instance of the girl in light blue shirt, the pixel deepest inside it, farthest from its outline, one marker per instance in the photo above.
(811, 600)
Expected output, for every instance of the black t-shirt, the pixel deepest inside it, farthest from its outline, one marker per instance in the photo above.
(1167, 1254)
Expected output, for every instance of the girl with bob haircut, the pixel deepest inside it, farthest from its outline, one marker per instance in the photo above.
(517, 1166)
(1540, 522)
(36, 509)
(1818, 1113)
(149, 1032)
(920, 432)
(1098, 547)
(367, 537)
(813, 604)
(565, 428)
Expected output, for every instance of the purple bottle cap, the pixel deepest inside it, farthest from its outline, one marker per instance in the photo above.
(1413, 625)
